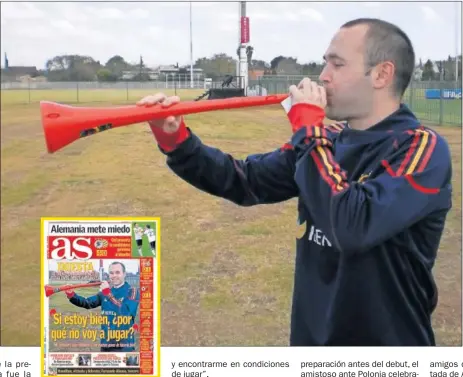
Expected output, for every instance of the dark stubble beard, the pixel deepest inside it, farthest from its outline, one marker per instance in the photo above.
(332, 114)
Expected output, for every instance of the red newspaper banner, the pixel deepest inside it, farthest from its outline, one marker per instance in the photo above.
(100, 296)
(146, 312)
(245, 33)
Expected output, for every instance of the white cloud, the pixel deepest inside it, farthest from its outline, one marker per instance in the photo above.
(228, 17)
(228, 27)
(21, 11)
(371, 4)
(154, 32)
(64, 26)
(139, 13)
(290, 16)
(111, 13)
(204, 4)
(186, 4)
(429, 13)
(263, 16)
(288, 5)
(276, 38)
(173, 4)
(73, 12)
(312, 14)
(36, 32)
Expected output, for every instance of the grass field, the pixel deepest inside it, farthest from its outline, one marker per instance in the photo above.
(227, 272)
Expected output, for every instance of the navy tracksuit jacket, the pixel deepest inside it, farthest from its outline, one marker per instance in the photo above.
(122, 301)
(374, 204)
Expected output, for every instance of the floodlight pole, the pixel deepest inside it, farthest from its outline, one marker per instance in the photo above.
(457, 33)
(243, 43)
(191, 48)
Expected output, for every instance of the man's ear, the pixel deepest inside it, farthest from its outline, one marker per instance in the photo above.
(382, 75)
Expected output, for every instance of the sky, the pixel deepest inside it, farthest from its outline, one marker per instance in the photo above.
(33, 32)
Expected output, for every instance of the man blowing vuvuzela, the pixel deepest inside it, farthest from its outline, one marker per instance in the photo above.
(117, 300)
(373, 192)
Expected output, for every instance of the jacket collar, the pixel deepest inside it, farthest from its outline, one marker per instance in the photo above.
(400, 120)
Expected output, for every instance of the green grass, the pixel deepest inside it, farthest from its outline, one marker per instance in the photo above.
(226, 271)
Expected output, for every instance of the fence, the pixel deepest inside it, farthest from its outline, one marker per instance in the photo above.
(437, 102)
(92, 85)
(87, 92)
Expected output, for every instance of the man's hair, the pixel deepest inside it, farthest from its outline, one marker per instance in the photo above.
(122, 265)
(387, 42)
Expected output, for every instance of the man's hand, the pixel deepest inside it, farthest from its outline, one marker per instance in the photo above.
(104, 288)
(308, 91)
(171, 131)
(104, 285)
(169, 125)
(308, 105)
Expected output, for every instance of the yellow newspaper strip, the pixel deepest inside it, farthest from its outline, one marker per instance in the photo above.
(43, 254)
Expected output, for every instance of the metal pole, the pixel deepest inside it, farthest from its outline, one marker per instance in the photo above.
(244, 76)
(457, 12)
(242, 14)
(191, 48)
(238, 72)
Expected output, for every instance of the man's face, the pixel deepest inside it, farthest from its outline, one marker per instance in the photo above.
(349, 90)
(116, 275)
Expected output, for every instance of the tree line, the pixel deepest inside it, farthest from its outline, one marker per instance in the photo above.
(86, 68)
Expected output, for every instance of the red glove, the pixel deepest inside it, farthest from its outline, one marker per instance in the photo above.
(69, 293)
(305, 114)
(170, 141)
(106, 291)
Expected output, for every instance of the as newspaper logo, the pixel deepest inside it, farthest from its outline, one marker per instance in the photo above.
(69, 249)
(100, 296)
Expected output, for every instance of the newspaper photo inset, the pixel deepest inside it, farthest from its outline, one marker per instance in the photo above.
(100, 296)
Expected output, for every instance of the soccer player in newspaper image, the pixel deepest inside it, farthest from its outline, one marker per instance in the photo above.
(151, 238)
(115, 297)
(138, 232)
(96, 316)
(144, 239)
